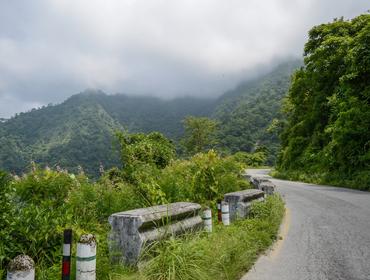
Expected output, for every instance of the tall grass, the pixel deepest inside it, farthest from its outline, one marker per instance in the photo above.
(359, 181)
(224, 254)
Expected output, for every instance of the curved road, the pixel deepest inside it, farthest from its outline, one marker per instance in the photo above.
(325, 235)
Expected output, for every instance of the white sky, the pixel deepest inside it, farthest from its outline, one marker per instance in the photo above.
(51, 49)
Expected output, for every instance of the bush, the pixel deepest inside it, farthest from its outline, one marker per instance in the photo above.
(203, 178)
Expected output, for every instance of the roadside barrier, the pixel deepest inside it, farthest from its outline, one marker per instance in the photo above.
(207, 219)
(86, 258)
(262, 183)
(134, 229)
(225, 213)
(240, 202)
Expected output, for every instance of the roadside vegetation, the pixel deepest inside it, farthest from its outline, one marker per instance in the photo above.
(38, 206)
(326, 136)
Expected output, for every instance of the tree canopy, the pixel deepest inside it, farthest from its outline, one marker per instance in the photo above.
(200, 134)
(328, 111)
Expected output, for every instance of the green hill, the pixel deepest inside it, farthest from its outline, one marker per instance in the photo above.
(80, 130)
(249, 115)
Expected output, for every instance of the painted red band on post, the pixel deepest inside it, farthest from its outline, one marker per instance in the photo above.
(66, 261)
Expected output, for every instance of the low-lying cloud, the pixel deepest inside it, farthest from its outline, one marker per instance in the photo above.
(51, 49)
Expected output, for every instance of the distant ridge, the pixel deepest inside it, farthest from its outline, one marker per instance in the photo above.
(80, 130)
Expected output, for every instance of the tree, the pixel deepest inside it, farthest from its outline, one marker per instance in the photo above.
(328, 110)
(200, 134)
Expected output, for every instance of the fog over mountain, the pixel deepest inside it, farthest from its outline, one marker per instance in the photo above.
(51, 49)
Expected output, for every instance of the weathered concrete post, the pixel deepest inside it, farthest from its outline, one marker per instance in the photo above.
(21, 267)
(268, 187)
(207, 219)
(225, 213)
(86, 258)
(240, 202)
(133, 230)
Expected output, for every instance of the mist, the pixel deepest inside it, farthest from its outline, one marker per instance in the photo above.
(50, 49)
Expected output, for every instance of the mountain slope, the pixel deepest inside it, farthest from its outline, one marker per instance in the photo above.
(80, 130)
(67, 135)
(247, 113)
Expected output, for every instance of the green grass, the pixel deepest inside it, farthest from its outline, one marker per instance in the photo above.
(359, 182)
(227, 253)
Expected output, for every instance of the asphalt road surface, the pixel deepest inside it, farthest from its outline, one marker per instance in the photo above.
(325, 235)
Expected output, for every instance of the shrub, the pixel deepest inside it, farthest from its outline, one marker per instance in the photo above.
(203, 178)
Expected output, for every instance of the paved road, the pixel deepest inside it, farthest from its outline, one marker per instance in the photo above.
(325, 235)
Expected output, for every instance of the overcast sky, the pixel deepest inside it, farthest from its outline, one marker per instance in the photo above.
(52, 49)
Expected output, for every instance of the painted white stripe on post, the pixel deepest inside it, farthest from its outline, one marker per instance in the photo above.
(21, 267)
(86, 258)
(225, 213)
(207, 219)
(66, 249)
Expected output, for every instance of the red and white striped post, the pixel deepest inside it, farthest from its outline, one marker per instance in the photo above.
(219, 212)
(67, 248)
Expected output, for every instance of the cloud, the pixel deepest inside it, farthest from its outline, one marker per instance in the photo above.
(51, 49)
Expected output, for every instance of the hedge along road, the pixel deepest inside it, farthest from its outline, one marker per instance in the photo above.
(325, 235)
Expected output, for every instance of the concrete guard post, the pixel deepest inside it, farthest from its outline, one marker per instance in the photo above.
(134, 229)
(268, 187)
(207, 219)
(225, 213)
(86, 258)
(263, 183)
(240, 202)
(21, 267)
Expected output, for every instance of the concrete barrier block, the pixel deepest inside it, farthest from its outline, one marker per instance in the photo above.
(257, 180)
(268, 187)
(134, 229)
(240, 202)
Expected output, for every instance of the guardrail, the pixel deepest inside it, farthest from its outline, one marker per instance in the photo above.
(261, 183)
(240, 202)
(132, 230)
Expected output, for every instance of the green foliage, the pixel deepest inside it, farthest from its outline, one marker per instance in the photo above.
(200, 134)
(203, 178)
(143, 156)
(44, 202)
(145, 149)
(327, 131)
(39, 205)
(249, 116)
(80, 131)
(7, 212)
(255, 159)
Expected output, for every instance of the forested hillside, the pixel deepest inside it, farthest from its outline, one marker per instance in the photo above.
(327, 135)
(68, 135)
(250, 114)
(80, 130)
